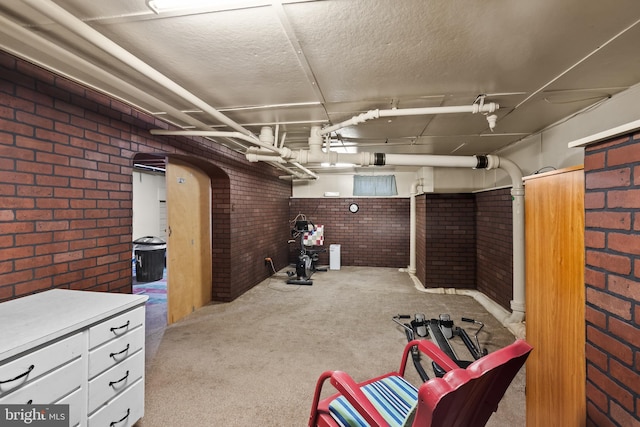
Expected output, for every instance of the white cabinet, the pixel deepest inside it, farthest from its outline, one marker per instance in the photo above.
(81, 348)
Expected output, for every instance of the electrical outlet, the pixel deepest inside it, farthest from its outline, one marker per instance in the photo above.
(267, 261)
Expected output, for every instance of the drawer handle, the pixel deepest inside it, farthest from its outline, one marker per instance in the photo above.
(112, 383)
(126, 325)
(121, 419)
(24, 374)
(120, 352)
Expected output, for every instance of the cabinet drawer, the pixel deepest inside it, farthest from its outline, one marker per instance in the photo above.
(115, 327)
(115, 351)
(115, 381)
(74, 400)
(50, 387)
(123, 411)
(33, 365)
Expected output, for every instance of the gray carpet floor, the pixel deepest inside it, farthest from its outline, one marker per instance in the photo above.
(255, 361)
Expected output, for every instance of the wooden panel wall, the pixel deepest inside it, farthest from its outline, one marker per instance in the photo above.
(555, 299)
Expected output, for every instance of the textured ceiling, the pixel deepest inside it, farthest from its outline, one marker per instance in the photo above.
(322, 62)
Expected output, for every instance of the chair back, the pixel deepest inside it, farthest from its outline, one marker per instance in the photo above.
(468, 397)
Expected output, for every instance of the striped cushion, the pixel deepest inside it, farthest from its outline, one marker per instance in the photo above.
(392, 396)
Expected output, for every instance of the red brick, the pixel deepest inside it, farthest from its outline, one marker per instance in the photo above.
(623, 417)
(609, 303)
(16, 227)
(610, 220)
(594, 200)
(597, 397)
(67, 256)
(608, 179)
(33, 167)
(52, 158)
(623, 155)
(596, 418)
(67, 129)
(625, 331)
(7, 215)
(51, 270)
(57, 115)
(15, 178)
(610, 387)
(31, 215)
(624, 287)
(626, 243)
(594, 239)
(34, 144)
(594, 161)
(594, 278)
(15, 253)
(597, 357)
(54, 181)
(611, 143)
(610, 345)
(614, 263)
(66, 278)
(624, 199)
(53, 136)
(51, 203)
(51, 248)
(16, 128)
(69, 171)
(596, 317)
(32, 286)
(32, 119)
(16, 153)
(33, 262)
(52, 225)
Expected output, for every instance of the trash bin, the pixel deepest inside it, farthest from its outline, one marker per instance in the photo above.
(334, 257)
(149, 253)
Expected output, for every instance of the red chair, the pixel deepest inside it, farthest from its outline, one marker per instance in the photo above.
(463, 397)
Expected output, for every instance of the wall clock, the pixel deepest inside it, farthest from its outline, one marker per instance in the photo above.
(353, 208)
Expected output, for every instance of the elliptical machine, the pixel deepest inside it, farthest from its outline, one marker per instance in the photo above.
(307, 258)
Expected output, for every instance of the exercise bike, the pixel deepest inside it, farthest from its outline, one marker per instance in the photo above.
(307, 258)
(440, 330)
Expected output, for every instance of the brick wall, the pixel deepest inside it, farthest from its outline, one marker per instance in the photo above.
(421, 238)
(376, 236)
(612, 279)
(494, 245)
(450, 241)
(65, 191)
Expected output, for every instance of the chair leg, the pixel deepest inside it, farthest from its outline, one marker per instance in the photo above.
(313, 417)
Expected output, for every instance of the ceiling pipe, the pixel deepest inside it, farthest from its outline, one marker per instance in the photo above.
(474, 108)
(84, 31)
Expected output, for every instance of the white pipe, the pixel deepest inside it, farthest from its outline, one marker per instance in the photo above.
(489, 107)
(219, 134)
(84, 31)
(412, 225)
(44, 45)
(517, 328)
(431, 160)
(517, 192)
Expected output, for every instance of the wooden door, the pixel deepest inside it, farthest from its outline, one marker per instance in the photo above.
(555, 299)
(189, 239)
